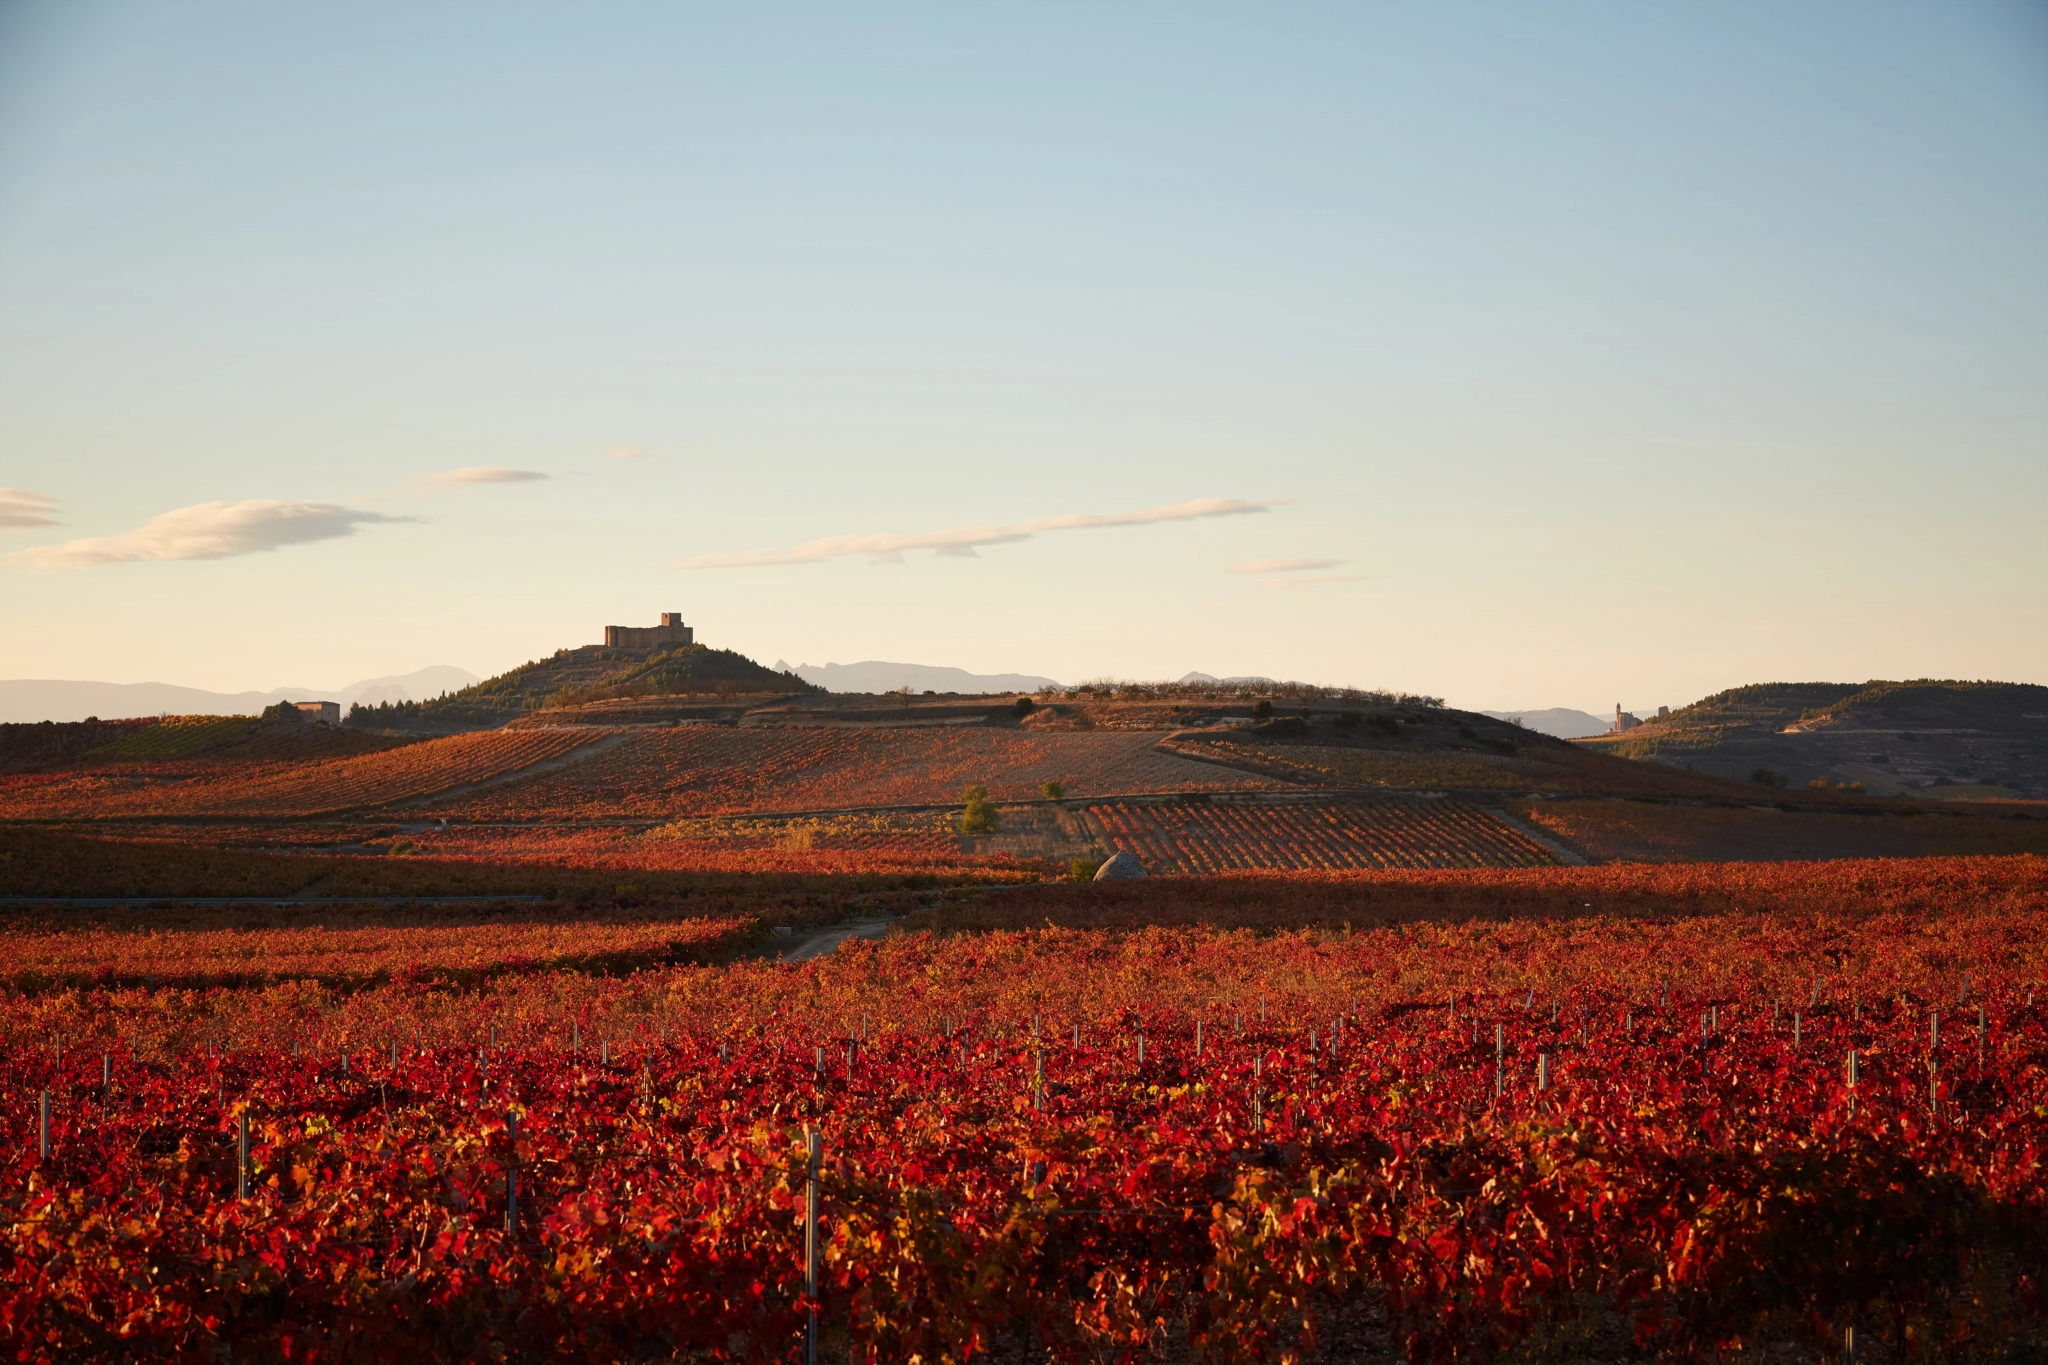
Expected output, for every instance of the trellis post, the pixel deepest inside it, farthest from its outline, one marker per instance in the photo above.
(811, 1249)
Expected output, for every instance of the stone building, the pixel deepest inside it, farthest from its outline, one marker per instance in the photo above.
(669, 633)
(329, 711)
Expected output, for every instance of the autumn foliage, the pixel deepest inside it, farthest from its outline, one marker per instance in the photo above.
(1235, 1141)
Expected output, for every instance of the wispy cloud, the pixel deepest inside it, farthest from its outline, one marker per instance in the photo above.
(483, 474)
(628, 453)
(209, 530)
(1310, 580)
(1284, 565)
(20, 509)
(888, 548)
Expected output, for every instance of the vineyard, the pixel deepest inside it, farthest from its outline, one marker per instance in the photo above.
(350, 956)
(1638, 831)
(1227, 836)
(691, 771)
(220, 788)
(1747, 1133)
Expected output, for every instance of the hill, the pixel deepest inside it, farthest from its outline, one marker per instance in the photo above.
(1562, 722)
(577, 677)
(1926, 737)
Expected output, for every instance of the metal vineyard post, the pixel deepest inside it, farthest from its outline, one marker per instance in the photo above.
(512, 1176)
(811, 1249)
(43, 1130)
(242, 1154)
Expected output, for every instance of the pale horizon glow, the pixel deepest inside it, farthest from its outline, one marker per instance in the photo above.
(1606, 350)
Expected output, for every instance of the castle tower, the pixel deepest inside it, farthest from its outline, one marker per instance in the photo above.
(669, 633)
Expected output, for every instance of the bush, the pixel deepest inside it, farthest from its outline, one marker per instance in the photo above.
(1054, 791)
(283, 710)
(1262, 708)
(1083, 869)
(1021, 707)
(980, 815)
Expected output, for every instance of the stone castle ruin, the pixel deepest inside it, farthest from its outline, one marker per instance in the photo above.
(669, 633)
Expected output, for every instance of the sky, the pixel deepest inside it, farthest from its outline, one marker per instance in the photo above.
(1523, 355)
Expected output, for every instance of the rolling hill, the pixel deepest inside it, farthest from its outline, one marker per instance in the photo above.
(578, 677)
(1927, 738)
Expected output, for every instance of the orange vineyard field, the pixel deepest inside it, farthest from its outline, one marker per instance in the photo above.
(717, 770)
(1230, 836)
(352, 956)
(203, 788)
(1635, 1134)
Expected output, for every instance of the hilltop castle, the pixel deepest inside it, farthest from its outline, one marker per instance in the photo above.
(671, 631)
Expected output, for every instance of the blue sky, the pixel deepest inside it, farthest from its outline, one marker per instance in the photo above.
(1533, 355)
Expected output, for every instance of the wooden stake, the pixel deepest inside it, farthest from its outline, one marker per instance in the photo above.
(43, 1130)
(242, 1153)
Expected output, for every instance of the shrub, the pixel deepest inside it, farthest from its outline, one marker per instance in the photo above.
(1021, 707)
(1262, 708)
(1054, 791)
(1084, 869)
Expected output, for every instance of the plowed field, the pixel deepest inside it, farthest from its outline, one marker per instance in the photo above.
(263, 789)
(719, 770)
(1322, 835)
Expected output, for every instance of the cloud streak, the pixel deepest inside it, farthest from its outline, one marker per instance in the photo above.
(483, 474)
(627, 453)
(209, 530)
(21, 509)
(1310, 580)
(1284, 565)
(964, 542)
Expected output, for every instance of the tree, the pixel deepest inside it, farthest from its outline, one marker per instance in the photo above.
(979, 814)
(1054, 791)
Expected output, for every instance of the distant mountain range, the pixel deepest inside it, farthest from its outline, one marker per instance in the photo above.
(38, 699)
(876, 676)
(1561, 721)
